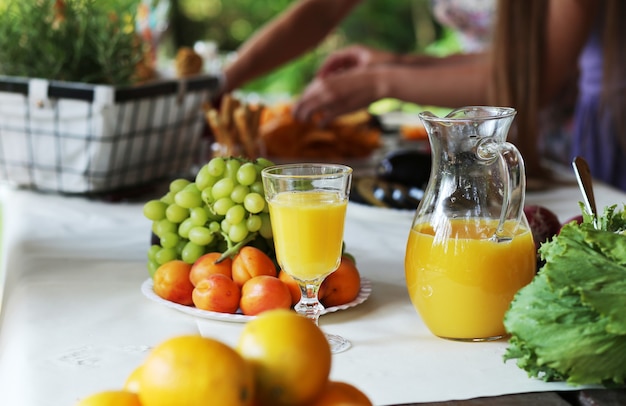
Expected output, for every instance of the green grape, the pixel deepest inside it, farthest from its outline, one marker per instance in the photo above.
(178, 184)
(225, 225)
(266, 226)
(198, 216)
(169, 240)
(232, 166)
(192, 252)
(181, 244)
(204, 178)
(214, 226)
(222, 188)
(184, 227)
(236, 214)
(188, 198)
(254, 222)
(163, 226)
(165, 255)
(239, 193)
(254, 203)
(257, 187)
(264, 162)
(152, 251)
(216, 167)
(176, 213)
(211, 214)
(207, 196)
(201, 236)
(247, 174)
(152, 268)
(154, 210)
(222, 205)
(237, 232)
(168, 198)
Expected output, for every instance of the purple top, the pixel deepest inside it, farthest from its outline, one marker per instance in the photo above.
(595, 135)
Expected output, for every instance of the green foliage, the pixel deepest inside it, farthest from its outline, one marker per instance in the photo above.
(72, 40)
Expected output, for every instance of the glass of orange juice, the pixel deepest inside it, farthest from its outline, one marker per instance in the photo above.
(307, 203)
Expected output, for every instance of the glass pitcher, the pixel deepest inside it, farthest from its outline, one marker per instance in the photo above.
(470, 248)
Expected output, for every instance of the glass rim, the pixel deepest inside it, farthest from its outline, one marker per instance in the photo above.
(337, 169)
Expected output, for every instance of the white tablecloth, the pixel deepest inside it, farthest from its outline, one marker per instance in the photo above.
(74, 321)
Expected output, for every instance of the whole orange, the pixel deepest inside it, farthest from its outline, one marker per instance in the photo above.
(250, 262)
(217, 293)
(206, 265)
(132, 381)
(111, 398)
(195, 371)
(171, 282)
(263, 293)
(293, 286)
(290, 356)
(341, 394)
(341, 286)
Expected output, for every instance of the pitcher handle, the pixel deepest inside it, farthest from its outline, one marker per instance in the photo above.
(512, 164)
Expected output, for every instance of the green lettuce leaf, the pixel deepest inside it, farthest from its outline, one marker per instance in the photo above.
(569, 323)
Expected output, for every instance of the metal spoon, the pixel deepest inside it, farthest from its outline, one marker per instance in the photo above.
(583, 176)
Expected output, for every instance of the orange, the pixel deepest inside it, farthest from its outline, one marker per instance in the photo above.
(111, 398)
(206, 266)
(171, 282)
(195, 371)
(132, 381)
(341, 286)
(341, 394)
(250, 262)
(290, 356)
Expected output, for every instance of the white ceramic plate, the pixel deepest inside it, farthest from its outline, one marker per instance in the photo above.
(148, 291)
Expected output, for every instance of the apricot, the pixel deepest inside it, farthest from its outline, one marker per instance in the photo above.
(262, 293)
(341, 286)
(206, 265)
(293, 286)
(250, 262)
(217, 293)
(171, 282)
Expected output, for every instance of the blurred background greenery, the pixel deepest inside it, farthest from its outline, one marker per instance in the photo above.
(395, 25)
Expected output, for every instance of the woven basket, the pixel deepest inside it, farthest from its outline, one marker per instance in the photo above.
(75, 138)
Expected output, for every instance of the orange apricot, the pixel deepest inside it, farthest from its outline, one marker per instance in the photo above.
(206, 265)
(171, 282)
(341, 286)
(250, 262)
(217, 293)
(262, 293)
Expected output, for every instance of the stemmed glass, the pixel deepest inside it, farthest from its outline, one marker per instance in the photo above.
(307, 203)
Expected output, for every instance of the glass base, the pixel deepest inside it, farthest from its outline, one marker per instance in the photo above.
(337, 343)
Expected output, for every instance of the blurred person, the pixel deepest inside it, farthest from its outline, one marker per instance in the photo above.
(537, 47)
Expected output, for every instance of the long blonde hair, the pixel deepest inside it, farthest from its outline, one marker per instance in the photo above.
(518, 56)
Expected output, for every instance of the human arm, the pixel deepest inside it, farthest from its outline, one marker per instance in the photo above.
(301, 27)
(449, 81)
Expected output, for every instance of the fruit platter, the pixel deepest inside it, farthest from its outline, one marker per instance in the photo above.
(212, 253)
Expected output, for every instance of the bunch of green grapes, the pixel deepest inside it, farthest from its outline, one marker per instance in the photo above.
(221, 211)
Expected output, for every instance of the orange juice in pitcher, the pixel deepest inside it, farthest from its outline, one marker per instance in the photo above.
(470, 248)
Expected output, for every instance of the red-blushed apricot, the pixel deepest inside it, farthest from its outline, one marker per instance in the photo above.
(250, 262)
(217, 293)
(171, 282)
(262, 293)
(341, 286)
(293, 286)
(206, 265)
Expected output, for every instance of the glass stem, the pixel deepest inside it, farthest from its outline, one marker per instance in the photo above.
(309, 304)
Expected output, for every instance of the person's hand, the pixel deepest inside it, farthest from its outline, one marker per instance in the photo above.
(355, 56)
(340, 93)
